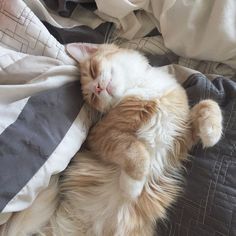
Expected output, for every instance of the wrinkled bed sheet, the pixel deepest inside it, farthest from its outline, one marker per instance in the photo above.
(44, 122)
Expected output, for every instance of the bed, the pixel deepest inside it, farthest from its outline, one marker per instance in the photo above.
(43, 118)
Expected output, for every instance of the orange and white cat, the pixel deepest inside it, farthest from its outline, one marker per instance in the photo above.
(132, 171)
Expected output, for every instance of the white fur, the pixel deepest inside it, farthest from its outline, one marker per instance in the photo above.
(130, 187)
(133, 79)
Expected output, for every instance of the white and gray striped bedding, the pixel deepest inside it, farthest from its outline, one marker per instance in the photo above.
(43, 122)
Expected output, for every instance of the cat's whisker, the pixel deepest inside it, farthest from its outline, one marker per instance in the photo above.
(109, 34)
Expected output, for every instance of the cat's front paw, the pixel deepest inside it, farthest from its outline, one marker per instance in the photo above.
(130, 188)
(208, 122)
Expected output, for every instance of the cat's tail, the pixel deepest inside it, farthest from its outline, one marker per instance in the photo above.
(30, 220)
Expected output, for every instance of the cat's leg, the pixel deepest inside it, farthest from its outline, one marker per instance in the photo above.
(125, 150)
(206, 119)
(114, 139)
(135, 167)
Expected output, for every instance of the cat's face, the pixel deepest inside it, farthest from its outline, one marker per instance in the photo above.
(107, 72)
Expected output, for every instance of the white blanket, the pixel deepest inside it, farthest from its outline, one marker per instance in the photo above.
(201, 29)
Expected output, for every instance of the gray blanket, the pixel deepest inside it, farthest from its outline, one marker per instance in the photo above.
(208, 204)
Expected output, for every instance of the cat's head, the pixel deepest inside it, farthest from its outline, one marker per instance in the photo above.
(107, 72)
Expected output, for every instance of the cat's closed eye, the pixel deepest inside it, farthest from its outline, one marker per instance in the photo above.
(93, 69)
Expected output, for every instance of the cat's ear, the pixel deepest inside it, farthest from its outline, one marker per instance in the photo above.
(81, 51)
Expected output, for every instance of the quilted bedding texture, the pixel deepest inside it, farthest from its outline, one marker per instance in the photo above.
(44, 121)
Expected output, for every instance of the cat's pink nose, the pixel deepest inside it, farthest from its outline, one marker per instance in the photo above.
(98, 89)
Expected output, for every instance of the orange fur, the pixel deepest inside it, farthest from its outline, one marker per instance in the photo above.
(118, 131)
(206, 120)
(119, 143)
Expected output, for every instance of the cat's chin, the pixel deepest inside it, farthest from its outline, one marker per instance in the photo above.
(109, 89)
(104, 108)
(106, 102)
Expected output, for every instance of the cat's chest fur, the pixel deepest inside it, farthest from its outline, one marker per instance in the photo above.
(161, 87)
(170, 120)
(150, 84)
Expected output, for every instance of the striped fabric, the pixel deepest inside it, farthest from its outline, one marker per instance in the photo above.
(43, 121)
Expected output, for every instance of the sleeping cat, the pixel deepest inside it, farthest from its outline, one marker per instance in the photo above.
(132, 171)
